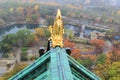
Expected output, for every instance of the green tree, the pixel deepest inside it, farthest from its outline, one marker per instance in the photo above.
(101, 59)
(5, 47)
(25, 37)
(23, 54)
(8, 41)
(86, 62)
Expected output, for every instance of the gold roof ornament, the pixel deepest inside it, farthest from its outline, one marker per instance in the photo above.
(57, 31)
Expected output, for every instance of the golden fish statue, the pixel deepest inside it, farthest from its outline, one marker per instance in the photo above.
(57, 31)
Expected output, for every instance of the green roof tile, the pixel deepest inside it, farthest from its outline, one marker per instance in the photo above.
(55, 65)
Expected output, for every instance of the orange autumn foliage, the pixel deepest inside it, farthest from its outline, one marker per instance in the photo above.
(69, 44)
(97, 42)
(114, 55)
(75, 53)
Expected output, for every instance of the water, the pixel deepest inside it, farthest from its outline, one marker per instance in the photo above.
(16, 27)
(83, 30)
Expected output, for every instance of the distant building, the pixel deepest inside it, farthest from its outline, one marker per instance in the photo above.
(94, 35)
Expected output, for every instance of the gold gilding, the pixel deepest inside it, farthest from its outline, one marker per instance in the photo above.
(57, 31)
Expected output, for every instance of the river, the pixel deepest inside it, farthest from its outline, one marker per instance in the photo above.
(12, 29)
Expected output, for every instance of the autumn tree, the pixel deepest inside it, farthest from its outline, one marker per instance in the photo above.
(100, 70)
(113, 71)
(67, 43)
(75, 53)
(114, 54)
(38, 33)
(98, 44)
(108, 71)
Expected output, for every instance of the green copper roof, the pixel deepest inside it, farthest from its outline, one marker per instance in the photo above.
(55, 65)
(60, 69)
